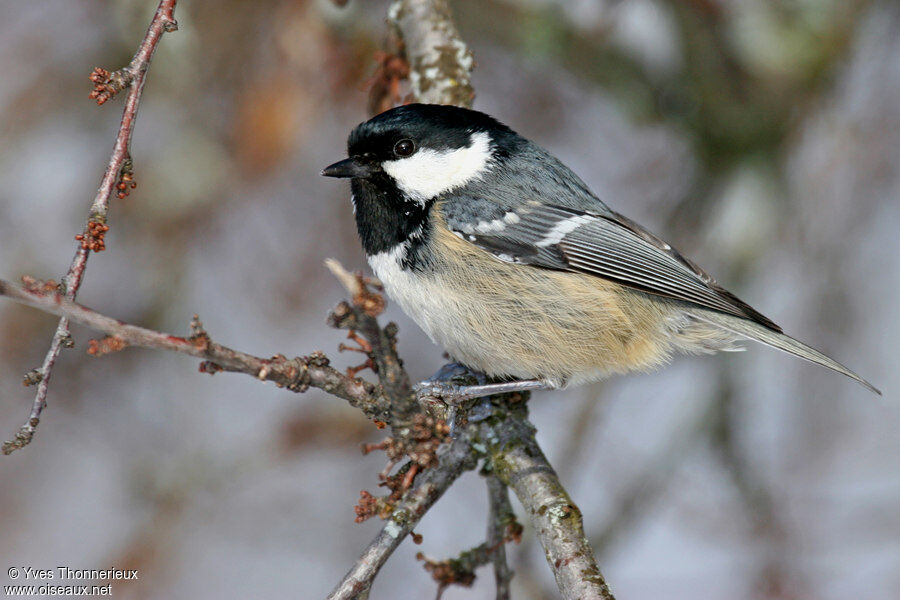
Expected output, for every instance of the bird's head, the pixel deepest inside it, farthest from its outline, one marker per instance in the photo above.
(417, 152)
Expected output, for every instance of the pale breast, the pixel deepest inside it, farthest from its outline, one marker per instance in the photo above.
(422, 297)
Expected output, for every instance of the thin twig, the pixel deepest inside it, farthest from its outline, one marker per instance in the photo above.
(296, 374)
(502, 527)
(454, 460)
(425, 27)
(440, 71)
(134, 76)
(360, 315)
(500, 518)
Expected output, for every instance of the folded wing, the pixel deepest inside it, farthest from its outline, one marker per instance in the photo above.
(609, 246)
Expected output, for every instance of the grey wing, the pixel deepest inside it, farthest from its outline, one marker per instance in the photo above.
(608, 246)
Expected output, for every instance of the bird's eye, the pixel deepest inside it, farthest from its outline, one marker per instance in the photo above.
(404, 148)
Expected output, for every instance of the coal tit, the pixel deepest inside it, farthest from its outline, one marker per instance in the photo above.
(502, 255)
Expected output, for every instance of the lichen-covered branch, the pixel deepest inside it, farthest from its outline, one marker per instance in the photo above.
(117, 179)
(519, 463)
(440, 62)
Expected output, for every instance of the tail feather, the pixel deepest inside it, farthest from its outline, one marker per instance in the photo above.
(780, 341)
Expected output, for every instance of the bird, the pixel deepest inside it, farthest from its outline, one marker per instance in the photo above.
(507, 259)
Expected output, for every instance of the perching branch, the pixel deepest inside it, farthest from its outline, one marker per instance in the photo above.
(520, 463)
(118, 176)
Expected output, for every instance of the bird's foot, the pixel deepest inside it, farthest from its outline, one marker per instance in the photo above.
(459, 398)
(458, 395)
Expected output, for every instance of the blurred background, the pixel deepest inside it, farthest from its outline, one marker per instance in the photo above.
(761, 138)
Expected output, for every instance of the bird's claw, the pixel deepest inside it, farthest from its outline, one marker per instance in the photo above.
(461, 398)
(449, 393)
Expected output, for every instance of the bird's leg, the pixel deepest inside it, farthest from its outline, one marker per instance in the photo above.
(459, 394)
(441, 385)
(440, 388)
(458, 397)
(462, 398)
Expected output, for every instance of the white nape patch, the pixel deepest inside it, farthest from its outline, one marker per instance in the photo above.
(429, 173)
(562, 229)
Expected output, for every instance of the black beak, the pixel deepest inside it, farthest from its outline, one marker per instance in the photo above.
(347, 168)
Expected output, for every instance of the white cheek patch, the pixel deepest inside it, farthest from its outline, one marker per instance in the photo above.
(429, 173)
